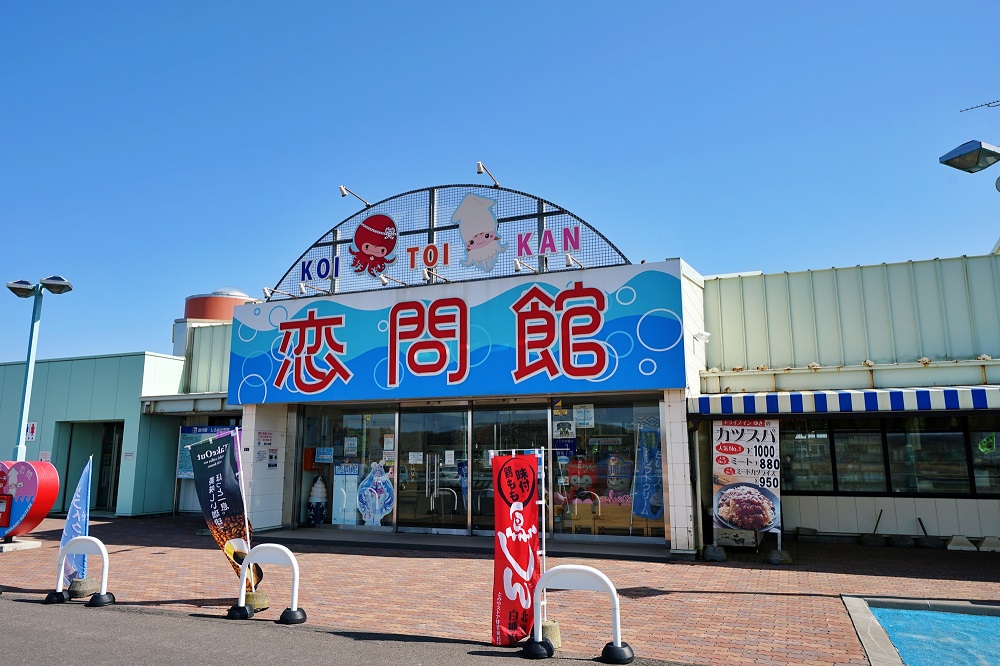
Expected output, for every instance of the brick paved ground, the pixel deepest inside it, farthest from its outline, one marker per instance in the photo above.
(743, 611)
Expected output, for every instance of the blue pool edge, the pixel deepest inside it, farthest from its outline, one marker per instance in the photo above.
(875, 641)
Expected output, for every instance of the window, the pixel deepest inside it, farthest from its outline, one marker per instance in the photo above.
(927, 455)
(860, 462)
(985, 455)
(805, 455)
(610, 479)
(345, 453)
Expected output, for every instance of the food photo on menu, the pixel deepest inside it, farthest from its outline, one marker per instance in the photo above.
(745, 506)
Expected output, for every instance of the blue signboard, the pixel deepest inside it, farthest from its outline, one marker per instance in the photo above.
(617, 328)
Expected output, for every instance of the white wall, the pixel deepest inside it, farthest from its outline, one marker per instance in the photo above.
(857, 515)
(693, 306)
(264, 483)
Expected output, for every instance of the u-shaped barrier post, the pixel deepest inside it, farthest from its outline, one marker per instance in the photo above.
(577, 577)
(269, 553)
(82, 545)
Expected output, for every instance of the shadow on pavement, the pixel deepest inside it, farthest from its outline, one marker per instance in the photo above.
(24, 590)
(402, 638)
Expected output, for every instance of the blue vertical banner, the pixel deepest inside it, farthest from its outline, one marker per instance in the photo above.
(77, 524)
(647, 496)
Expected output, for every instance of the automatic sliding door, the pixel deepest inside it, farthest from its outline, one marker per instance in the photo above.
(432, 450)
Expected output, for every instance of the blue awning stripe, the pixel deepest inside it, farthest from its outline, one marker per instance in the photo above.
(850, 401)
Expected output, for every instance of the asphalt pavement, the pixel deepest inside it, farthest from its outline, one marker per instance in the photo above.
(125, 635)
(426, 601)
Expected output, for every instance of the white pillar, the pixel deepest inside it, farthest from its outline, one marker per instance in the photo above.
(678, 489)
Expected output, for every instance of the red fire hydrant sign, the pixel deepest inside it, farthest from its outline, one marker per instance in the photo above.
(516, 564)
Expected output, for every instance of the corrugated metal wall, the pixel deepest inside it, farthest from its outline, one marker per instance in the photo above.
(942, 309)
(208, 358)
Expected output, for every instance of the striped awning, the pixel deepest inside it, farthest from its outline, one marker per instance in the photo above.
(868, 400)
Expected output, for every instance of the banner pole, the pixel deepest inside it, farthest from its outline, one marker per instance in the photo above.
(543, 524)
(246, 502)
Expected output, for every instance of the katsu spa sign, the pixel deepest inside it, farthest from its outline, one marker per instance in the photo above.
(746, 480)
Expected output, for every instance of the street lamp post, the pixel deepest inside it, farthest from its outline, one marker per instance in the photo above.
(24, 289)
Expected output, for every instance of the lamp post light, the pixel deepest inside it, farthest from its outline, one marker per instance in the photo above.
(972, 156)
(24, 289)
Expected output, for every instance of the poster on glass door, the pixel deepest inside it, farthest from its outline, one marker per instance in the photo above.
(746, 477)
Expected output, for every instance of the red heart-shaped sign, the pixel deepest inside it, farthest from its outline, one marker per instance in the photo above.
(28, 489)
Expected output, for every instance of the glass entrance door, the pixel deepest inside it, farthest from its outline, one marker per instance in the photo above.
(433, 447)
(111, 460)
(500, 431)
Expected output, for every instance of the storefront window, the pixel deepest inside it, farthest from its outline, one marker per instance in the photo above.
(985, 455)
(805, 455)
(347, 467)
(927, 455)
(609, 477)
(860, 462)
(500, 431)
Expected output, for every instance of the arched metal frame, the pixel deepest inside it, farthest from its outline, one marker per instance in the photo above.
(423, 220)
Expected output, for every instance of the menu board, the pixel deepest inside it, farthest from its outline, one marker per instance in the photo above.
(746, 480)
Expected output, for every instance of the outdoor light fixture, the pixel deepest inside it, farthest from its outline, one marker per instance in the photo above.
(570, 260)
(971, 156)
(702, 336)
(344, 192)
(520, 265)
(268, 293)
(384, 279)
(56, 284)
(429, 276)
(481, 169)
(303, 286)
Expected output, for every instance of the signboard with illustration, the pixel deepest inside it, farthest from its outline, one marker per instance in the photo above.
(608, 329)
(450, 233)
(189, 436)
(746, 479)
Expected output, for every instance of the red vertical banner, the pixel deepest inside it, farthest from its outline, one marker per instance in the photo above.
(516, 565)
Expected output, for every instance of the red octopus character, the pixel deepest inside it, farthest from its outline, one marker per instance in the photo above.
(374, 241)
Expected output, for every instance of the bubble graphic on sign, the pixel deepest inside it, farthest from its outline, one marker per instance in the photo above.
(277, 315)
(381, 374)
(647, 366)
(659, 333)
(257, 364)
(480, 352)
(625, 296)
(621, 338)
(275, 349)
(246, 333)
(252, 390)
(610, 370)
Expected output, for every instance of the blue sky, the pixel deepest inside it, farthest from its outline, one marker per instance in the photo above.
(152, 151)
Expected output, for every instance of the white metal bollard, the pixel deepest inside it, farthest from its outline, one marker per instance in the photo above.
(577, 577)
(82, 545)
(269, 553)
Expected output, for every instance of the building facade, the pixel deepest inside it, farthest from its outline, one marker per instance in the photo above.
(883, 383)
(441, 327)
(126, 411)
